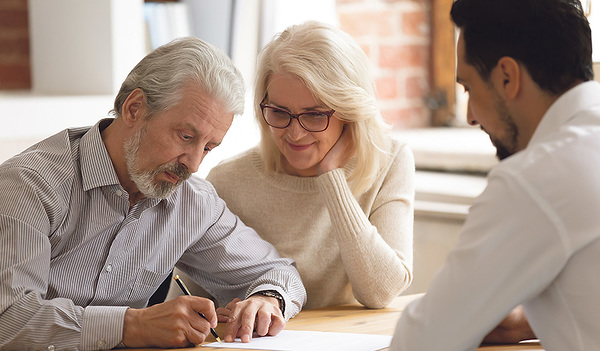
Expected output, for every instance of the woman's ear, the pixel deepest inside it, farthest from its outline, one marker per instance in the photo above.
(507, 77)
(134, 107)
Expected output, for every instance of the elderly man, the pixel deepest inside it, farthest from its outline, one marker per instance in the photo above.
(92, 220)
(530, 246)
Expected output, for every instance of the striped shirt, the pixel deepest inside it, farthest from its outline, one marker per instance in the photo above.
(74, 256)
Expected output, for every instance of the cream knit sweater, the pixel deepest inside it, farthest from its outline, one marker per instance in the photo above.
(346, 249)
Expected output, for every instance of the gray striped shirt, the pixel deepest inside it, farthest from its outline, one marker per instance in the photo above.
(73, 256)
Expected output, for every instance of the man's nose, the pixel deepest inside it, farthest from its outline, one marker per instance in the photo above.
(470, 116)
(192, 160)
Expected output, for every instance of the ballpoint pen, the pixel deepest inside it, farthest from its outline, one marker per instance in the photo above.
(186, 292)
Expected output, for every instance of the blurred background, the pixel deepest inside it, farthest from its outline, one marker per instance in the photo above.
(62, 62)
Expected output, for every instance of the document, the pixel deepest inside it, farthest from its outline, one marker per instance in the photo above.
(296, 340)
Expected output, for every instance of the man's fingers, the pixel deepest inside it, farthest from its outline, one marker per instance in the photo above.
(277, 325)
(247, 323)
(257, 313)
(223, 314)
(196, 337)
(263, 322)
(204, 306)
(232, 326)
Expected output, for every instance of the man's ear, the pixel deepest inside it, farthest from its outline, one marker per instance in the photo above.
(134, 107)
(508, 77)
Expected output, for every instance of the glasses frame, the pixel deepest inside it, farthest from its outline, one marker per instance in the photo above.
(295, 116)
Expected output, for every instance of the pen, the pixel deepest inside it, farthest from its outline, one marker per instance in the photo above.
(186, 292)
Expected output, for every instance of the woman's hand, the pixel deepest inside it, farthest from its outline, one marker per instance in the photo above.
(339, 153)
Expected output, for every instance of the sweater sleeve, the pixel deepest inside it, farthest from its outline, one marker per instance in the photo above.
(376, 248)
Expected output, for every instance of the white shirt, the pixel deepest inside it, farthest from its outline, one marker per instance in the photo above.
(531, 238)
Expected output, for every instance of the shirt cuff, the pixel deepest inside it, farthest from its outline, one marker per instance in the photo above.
(102, 327)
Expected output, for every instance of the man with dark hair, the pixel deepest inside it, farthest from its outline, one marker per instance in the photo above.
(524, 266)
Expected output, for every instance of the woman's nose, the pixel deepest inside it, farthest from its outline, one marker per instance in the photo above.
(295, 130)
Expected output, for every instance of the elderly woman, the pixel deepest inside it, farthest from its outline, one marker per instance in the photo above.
(327, 186)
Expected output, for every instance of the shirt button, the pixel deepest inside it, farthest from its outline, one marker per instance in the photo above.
(101, 344)
(51, 348)
(109, 268)
(119, 193)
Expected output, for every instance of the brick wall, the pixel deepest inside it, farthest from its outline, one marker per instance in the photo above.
(14, 45)
(395, 35)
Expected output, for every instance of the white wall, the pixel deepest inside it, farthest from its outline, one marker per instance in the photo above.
(84, 47)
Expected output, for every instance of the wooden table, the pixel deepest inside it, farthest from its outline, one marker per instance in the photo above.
(356, 319)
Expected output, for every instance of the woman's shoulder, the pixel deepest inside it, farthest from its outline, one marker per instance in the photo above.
(400, 153)
(243, 162)
(397, 146)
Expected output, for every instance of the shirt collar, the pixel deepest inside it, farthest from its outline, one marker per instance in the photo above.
(581, 97)
(97, 169)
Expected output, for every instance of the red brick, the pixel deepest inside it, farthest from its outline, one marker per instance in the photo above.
(415, 1)
(13, 5)
(13, 18)
(14, 77)
(416, 87)
(415, 23)
(403, 56)
(387, 87)
(366, 49)
(409, 117)
(342, 2)
(14, 49)
(378, 23)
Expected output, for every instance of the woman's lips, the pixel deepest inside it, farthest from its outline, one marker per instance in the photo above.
(299, 147)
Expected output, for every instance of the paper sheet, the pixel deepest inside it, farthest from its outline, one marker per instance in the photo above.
(295, 340)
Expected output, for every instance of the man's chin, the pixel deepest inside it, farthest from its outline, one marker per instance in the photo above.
(502, 152)
(163, 190)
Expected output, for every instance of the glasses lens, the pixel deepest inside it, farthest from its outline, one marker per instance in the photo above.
(276, 118)
(314, 122)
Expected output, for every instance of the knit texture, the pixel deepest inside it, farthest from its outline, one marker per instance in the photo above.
(346, 249)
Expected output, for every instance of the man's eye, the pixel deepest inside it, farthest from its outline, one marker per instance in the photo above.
(186, 137)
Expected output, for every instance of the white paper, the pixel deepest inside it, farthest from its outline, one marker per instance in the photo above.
(296, 340)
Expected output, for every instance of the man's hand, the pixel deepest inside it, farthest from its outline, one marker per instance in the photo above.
(513, 329)
(339, 154)
(256, 313)
(175, 323)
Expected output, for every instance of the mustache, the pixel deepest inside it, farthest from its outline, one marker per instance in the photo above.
(177, 169)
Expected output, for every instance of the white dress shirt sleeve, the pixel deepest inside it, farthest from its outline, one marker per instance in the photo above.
(497, 264)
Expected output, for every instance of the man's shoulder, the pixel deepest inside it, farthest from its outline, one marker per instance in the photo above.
(566, 162)
(51, 158)
(197, 187)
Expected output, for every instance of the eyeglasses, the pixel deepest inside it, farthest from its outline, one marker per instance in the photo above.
(310, 121)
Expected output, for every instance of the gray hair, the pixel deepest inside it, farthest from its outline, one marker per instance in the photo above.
(165, 71)
(336, 71)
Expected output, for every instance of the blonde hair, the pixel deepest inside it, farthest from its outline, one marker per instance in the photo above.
(336, 71)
